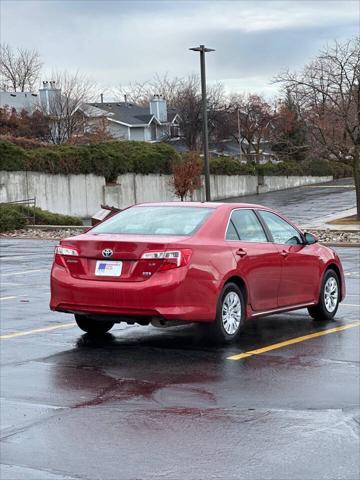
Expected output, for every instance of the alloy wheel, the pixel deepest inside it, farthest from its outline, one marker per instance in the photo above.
(331, 294)
(231, 313)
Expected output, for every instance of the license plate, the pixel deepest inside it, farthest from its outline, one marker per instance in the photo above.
(108, 268)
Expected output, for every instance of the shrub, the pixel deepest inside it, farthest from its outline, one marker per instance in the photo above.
(108, 159)
(44, 217)
(341, 170)
(12, 158)
(317, 167)
(16, 216)
(10, 218)
(186, 175)
(230, 166)
(23, 142)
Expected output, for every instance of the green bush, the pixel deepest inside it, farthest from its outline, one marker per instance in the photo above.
(15, 216)
(230, 166)
(341, 170)
(12, 158)
(317, 167)
(44, 217)
(108, 159)
(10, 218)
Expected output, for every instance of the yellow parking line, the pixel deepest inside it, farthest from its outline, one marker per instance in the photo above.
(10, 297)
(292, 341)
(37, 330)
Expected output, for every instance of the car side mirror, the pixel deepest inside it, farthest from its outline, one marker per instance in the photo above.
(310, 239)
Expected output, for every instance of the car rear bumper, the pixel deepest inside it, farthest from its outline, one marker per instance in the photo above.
(169, 295)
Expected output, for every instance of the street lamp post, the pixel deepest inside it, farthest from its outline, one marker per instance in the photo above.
(202, 49)
(239, 133)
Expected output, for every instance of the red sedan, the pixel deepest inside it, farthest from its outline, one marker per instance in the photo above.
(216, 263)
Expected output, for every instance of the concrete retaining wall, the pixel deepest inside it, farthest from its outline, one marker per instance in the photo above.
(69, 194)
(82, 194)
(272, 184)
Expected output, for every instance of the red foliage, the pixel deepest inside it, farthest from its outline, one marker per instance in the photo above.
(186, 175)
(33, 125)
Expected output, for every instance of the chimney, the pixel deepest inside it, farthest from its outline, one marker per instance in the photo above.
(158, 107)
(48, 95)
(125, 100)
(101, 98)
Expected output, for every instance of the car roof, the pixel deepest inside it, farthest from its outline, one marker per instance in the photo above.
(200, 204)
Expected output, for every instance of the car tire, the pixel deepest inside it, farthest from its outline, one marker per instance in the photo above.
(230, 315)
(93, 327)
(329, 298)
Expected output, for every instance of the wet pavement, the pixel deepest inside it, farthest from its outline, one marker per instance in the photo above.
(148, 403)
(305, 204)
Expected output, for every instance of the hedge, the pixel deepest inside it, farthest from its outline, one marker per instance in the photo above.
(13, 217)
(312, 167)
(110, 159)
(231, 166)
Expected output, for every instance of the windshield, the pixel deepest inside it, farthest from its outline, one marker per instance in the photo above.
(155, 221)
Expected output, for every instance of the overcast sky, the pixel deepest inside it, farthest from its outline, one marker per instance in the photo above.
(117, 41)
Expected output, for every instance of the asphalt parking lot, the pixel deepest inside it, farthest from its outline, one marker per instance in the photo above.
(149, 403)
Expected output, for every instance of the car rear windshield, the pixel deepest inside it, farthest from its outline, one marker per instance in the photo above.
(165, 220)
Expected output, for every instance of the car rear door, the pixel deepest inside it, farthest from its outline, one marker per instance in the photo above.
(300, 263)
(258, 260)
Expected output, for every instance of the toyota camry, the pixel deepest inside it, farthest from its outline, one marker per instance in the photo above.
(215, 263)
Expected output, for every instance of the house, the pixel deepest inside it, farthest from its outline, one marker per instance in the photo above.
(122, 120)
(19, 100)
(30, 101)
(128, 121)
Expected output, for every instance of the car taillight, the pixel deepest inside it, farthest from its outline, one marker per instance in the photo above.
(169, 259)
(66, 251)
(61, 252)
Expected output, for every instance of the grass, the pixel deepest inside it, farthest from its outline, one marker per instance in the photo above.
(350, 220)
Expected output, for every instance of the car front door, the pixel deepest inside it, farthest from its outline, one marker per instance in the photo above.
(258, 260)
(300, 264)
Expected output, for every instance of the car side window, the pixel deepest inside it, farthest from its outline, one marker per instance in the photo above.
(247, 225)
(281, 230)
(231, 233)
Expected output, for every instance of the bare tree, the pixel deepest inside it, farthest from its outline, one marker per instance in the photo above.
(19, 69)
(141, 92)
(328, 93)
(64, 101)
(247, 119)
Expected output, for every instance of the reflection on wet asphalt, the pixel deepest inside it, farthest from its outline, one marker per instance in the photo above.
(148, 403)
(307, 203)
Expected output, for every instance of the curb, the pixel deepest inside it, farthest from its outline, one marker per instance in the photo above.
(56, 227)
(341, 244)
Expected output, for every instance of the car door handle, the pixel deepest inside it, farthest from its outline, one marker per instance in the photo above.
(284, 253)
(241, 252)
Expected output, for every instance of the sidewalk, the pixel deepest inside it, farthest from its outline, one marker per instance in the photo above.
(321, 223)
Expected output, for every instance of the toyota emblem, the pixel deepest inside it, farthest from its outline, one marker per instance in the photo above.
(107, 252)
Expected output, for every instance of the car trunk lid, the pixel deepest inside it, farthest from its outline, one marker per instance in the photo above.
(124, 251)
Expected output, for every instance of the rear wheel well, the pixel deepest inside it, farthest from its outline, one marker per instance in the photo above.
(334, 267)
(241, 284)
